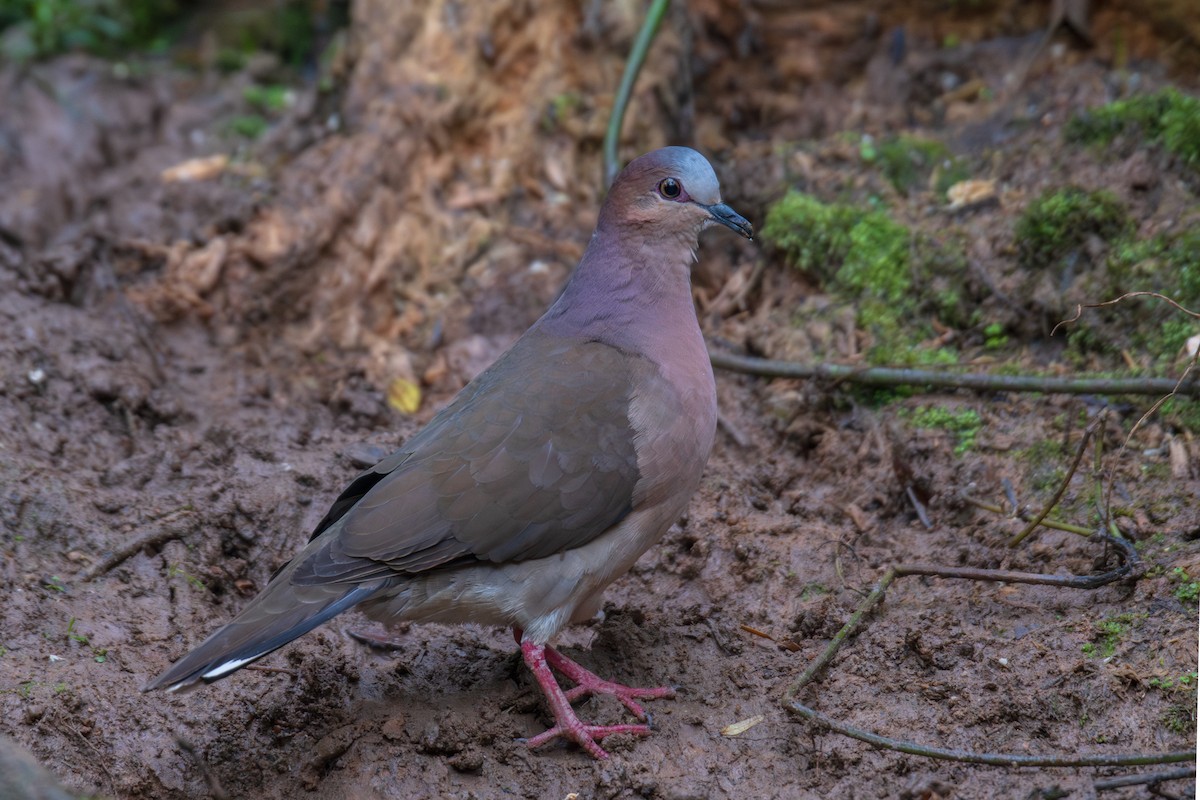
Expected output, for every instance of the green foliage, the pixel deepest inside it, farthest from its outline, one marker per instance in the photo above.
(1060, 221)
(876, 263)
(855, 252)
(964, 424)
(1109, 633)
(994, 337)
(866, 257)
(911, 162)
(1179, 717)
(1167, 118)
(175, 570)
(814, 236)
(72, 635)
(269, 99)
(1183, 262)
(39, 28)
(1188, 590)
(250, 126)
(1183, 412)
(1184, 682)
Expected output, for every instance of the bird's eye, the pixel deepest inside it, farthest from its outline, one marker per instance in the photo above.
(669, 188)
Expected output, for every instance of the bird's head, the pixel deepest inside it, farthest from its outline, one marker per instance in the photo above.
(673, 189)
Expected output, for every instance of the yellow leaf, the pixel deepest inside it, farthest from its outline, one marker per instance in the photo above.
(404, 396)
(738, 728)
(196, 169)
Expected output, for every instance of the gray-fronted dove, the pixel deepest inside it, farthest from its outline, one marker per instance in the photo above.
(545, 478)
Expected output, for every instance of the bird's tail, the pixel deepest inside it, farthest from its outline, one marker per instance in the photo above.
(280, 614)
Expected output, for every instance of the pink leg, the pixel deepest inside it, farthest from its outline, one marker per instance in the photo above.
(588, 682)
(567, 724)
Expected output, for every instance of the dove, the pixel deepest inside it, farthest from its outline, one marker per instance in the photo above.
(544, 479)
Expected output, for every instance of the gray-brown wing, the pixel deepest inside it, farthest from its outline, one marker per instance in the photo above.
(534, 457)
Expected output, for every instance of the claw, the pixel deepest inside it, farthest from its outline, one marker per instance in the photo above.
(588, 682)
(567, 724)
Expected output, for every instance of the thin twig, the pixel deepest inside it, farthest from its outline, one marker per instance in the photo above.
(1079, 308)
(214, 785)
(637, 55)
(735, 433)
(993, 759)
(1088, 432)
(1129, 567)
(1055, 524)
(1130, 562)
(1147, 778)
(890, 376)
(819, 663)
(152, 538)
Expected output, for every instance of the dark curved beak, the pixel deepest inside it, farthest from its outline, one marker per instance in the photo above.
(731, 219)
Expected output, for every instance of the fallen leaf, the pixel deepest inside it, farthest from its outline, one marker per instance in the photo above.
(738, 728)
(757, 632)
(1180, 468)
(971, 193)
(196, 169)
(404, 396)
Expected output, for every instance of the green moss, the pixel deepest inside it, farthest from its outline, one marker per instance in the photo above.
(41, 28)
(911, 162)
(1188, 590)
(994, 337)
(1180, 718)
(1109, 632)
(1182, 412)
(814, 236)
(1167, 118)
(1061, 220)
(251, 126)
(876, 263)
(811, 590)
(865, 257)
(964, 424)
(1183, 262)
(854, 252)
(269, 99)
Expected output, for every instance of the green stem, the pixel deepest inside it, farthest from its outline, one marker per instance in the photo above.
(654, 18)
(888, 376)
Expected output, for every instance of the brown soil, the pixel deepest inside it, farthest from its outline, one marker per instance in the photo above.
(209, 361)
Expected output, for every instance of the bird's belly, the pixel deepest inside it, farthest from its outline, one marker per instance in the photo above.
(540, 596)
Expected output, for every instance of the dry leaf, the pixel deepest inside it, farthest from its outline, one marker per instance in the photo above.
(971, 193)
(738, 728)
(196, 169)
(404, 395)
(1177, 450)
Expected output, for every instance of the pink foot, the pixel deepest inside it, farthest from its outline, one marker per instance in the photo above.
(567, 724)
(588, 682)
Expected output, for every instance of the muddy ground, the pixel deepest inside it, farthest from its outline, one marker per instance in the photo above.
(197, 363)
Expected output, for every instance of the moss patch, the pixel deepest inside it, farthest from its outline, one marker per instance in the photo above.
(814, 236)
(865, 257)
(40, 28)
(1110, 632)
(1167, 118)
(911, 162)
(1059, 221)
(963, 423)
